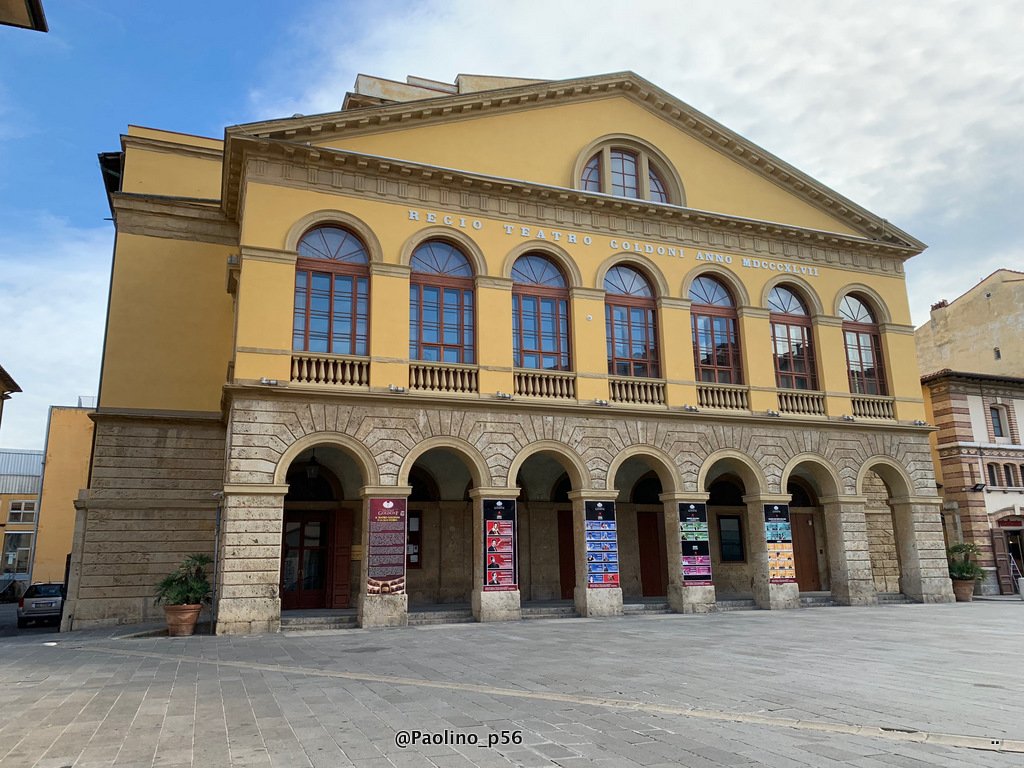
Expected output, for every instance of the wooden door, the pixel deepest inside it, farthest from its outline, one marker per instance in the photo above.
(341, 561)
(566, 554)
(652, 564)
(805, 552)
(304, 559)
(1001, 550)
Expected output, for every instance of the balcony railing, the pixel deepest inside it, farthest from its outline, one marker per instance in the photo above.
(443, 377)
(636, 391)
(872, 407)
(330, 370)
(801, 402)
(722, 397)
(556, 385)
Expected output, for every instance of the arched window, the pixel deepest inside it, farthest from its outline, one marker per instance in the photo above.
(863, 347)
(630, 323)
(716, 344)
(792, 348)
(442, 320)
(625, 172)
(332, 293)
(540, 314)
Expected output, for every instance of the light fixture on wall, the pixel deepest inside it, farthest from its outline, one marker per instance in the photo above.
(691, 408)
(269, 382)
(602, 403)
(503, 395)
(395, 389)
(773, 413)
(977, 487)
(312, 467)
(847, 417)
(920, 423)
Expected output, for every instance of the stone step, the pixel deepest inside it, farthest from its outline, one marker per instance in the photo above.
(431, 617)
(646, 607)
(317, 623)
(894, 598)
(816, 601)
(549, 612)
(736, 605)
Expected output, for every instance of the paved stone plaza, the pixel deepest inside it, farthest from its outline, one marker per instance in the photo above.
(909, 685)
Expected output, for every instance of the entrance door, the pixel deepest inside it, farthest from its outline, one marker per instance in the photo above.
(805, 552)
(1001, 551)
(652, 564)
(566, 554)
(304, 560)
(341, 561)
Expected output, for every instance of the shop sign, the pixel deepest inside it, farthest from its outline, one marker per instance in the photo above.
(500, 571)
(779, 535)
(1011, 522)
(694, 544)
(385, 557)
(602, 545)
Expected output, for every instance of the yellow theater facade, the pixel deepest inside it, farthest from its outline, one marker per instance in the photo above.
(496, 344)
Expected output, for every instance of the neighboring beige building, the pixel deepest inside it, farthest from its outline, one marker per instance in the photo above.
(981, 331)
(20, 474)
(67, 453)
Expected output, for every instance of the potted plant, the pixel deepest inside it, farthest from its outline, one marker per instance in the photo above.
(963, 571)
(183, 593)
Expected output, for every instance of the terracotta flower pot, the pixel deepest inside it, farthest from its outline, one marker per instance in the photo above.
(181, 619)
(963, 590)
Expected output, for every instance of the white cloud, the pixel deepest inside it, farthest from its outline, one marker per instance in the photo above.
(53, 280)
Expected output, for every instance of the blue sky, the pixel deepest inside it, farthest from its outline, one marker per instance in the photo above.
(914, 110)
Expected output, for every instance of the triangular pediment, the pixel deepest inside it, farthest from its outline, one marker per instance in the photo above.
(508, 124)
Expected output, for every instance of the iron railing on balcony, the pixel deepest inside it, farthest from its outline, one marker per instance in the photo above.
(801, 402)
(330, 370)
(443, 377)
(722, 397)
(556, 385)
(872, 407)
(636, 391)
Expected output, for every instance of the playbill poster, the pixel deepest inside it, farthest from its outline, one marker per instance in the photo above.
(779, 535)
(386, 555)
(500, 574)
(694, 543)
(602, 545)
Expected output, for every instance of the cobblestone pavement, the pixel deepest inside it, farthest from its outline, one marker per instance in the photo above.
(869, 687)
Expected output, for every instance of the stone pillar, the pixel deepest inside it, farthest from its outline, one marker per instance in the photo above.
(492, 606)
(591, 602)
(766, 595)
(682, 598)
(924, 573)
(248, 599)
(849, 558)
(379, 610)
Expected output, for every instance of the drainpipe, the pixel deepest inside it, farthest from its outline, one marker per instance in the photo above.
(219, 495)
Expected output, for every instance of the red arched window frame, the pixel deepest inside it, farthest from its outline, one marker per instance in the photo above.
(631, 324)
(332, 293)
(442, 305)
(716, 340)
(792, 342)
(540, 314)
(863, 343)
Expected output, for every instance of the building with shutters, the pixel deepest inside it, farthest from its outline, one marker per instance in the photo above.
(496, 347)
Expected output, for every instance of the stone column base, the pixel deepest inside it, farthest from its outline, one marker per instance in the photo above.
(682, 599)
(497, 606)
(928, 590)
(598, 602)
(383, 610)
(248, 616)
(775, 597)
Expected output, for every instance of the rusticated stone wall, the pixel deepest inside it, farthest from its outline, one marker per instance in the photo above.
(151, 502)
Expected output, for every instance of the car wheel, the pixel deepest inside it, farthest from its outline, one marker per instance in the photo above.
(22, 623)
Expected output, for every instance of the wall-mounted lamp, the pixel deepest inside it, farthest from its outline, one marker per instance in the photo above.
(503, 395)
(603, 403)
(977, 487)
(920, 423)
(313, 467)
(847, 417)
(773, 413)
(269, 382)
(691, 408)
(395, 389)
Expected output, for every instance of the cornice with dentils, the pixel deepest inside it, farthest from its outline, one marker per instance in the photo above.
(691, 121)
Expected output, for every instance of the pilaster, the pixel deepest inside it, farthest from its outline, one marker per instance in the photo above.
(849, 557)
(590, 602)
(491, 606)
(766, 595)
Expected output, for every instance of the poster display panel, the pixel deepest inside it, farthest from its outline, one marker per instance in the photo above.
(694, 544)
(385, 566)
(500, 567)
(779, 535)
(602, 545)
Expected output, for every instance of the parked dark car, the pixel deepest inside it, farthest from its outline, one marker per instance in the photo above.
(41, 602)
